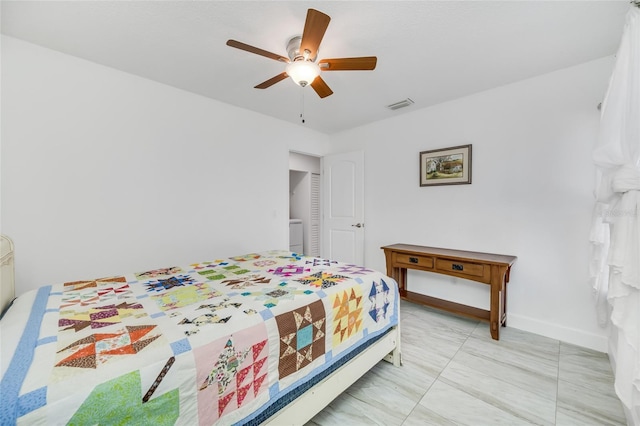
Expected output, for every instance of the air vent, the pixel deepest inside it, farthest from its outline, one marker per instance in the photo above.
(401, 104)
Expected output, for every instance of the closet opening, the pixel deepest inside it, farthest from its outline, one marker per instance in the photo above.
(304, 204)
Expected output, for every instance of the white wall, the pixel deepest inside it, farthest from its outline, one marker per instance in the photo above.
(304, 163)
(104, 172)
(531, 194)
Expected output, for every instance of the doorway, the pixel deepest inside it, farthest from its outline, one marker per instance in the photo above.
(326, 201)
(304, 204)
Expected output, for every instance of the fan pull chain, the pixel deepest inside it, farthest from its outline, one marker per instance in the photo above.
(302, 105)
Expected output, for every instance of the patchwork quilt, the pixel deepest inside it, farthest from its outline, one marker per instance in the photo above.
(214, 342)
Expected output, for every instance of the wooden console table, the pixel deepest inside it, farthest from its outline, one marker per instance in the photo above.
(487, 268)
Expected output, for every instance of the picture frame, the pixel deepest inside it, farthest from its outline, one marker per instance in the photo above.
(446, 166)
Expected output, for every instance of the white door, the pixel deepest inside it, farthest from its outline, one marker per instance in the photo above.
(343, 207)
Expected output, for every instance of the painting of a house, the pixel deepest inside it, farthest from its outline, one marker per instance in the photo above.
(444, 166)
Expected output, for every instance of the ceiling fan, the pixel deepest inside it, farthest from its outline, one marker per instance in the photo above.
(303, 52)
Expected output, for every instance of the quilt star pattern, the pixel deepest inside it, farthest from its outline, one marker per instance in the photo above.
(347, 314)
(302, 333)
(322, 279)
(222, 341)
(168, 283)
(380, 299)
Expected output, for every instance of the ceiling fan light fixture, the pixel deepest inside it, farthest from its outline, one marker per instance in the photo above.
(303, 52)
(303, 72)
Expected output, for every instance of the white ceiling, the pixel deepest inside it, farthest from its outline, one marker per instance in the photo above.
(429, 51)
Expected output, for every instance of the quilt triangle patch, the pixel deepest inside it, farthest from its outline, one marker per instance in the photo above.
(257, 366)
(242, 393)
(223, 402)
(336, 302)
(84, 357)
(141, 344)
(76, 325)
(257, 348)
(83, 341)
(242, 374)
(138, 331)
(257, 383)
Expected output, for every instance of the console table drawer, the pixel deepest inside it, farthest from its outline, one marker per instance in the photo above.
(413, 260)
(462, 268)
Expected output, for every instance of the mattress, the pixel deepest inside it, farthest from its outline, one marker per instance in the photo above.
(227, 341)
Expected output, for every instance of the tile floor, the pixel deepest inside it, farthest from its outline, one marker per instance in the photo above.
(453, 373)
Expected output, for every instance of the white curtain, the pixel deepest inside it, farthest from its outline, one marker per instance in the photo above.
(615, 234)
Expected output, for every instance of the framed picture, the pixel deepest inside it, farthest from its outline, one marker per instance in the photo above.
(447, 166)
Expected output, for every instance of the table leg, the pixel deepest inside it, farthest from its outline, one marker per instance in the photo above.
(496, 308)
(494, 320)
(504, 301)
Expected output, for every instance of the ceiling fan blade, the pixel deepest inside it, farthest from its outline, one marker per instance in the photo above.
(271, 81)
(321, 87)
(257, 51)
(364, 63)
(314, 29)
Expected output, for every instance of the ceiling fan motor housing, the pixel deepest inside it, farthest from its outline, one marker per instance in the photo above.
(293, 50)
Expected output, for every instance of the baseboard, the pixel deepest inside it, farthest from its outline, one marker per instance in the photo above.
(576, 337)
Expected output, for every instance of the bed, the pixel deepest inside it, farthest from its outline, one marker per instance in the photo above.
(261, 338)
(7, 290)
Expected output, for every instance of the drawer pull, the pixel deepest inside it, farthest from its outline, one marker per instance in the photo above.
(413, 260)
(457, 267)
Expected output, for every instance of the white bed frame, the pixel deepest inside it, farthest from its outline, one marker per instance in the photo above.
(7, 286)
(319, 396)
